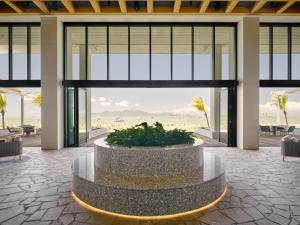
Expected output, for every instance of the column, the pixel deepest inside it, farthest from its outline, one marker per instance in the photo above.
(248, 88)
(51, 83)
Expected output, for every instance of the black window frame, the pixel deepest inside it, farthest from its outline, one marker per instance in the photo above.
(11, 82)
(289, 82)
(150, 24)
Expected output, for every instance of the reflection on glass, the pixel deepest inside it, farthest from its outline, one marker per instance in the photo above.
(4, 53)
(35, 53)
(118, 53)
(264, 61)
(182, 50)
(139, 53)
(75, 58)
(82, 115)
(203, 53)
(70, 117)
(161, 49)
(280, 56)
(97, 50)
(296, 53)
(19, 53)
(224, 53)
(224, 116)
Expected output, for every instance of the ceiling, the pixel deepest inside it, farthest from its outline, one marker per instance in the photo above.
(221, 7)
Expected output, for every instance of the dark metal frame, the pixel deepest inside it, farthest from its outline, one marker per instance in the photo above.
(150, 25)
(271, 82)
(230, 84)
(19, 83)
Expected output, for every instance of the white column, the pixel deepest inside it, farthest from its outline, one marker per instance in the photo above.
(248, 88)
(51, 83)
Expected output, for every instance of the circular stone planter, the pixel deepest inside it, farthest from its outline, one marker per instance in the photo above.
(148, 181)
(148, 161)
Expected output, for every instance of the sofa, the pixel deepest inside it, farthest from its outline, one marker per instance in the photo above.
(12, 147)
(290, 146)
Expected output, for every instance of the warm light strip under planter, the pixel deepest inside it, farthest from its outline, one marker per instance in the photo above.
(162, 217)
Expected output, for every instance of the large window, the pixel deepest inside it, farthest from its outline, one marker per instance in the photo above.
(118, 53)
(139, 53)
(76, 61)
(97, 53)
(151, 51)
(224, 53)
(296, 53)
(161, 57)
(280, 52)
(20, 53)
(4, 72)
(203, 53)
(264, 56)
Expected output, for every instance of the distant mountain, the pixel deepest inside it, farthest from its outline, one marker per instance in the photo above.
(131, 113)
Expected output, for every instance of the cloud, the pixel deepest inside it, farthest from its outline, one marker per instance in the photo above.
(293, 108)
(122, 104)
(102, 99)
(105, 103)
(93, 100)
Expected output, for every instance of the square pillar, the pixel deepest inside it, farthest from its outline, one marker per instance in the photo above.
(248, 88)
(51, 83)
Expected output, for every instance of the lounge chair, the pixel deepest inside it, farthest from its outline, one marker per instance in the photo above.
(290, 146)
(28, 129)
(266, 130)
(290, 130)
(11, 148)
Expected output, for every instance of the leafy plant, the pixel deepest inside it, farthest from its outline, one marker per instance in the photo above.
(3, 105)
(199, 104)
(146, 135)
(37, 100)
(279, 100)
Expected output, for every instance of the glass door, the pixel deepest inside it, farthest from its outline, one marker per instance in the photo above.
(70, 111)
(82, 116)
(223, 137)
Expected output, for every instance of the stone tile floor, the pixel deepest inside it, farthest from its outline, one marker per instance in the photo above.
(263, 190)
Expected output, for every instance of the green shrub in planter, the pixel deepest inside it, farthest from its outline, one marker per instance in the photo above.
(145, 135)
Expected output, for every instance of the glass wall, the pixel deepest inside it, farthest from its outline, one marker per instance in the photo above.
(97, 53)
(139, 53)
(75, 64)
(20, 52)
(279, 52)
(150, 52)
(224, 53)
(264, 51)
(118, 53)
(4, 72)
(296, 53)
(35, 53)
(182, 53)
(203, 53)
(160, 54)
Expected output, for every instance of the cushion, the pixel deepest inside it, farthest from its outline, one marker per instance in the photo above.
(289, 138)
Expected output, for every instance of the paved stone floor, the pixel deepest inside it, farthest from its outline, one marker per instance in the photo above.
(263, 190)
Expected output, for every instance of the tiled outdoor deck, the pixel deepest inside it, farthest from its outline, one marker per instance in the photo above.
(263, 190)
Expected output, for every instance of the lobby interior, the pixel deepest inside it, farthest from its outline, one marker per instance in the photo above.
(72, 71)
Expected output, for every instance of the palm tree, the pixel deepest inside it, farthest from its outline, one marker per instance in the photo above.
(199, 104)
(279, 100)
(3, 104)
(37, 100)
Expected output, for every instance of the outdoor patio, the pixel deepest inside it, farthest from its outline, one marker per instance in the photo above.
(36, 190)
(265, 141)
